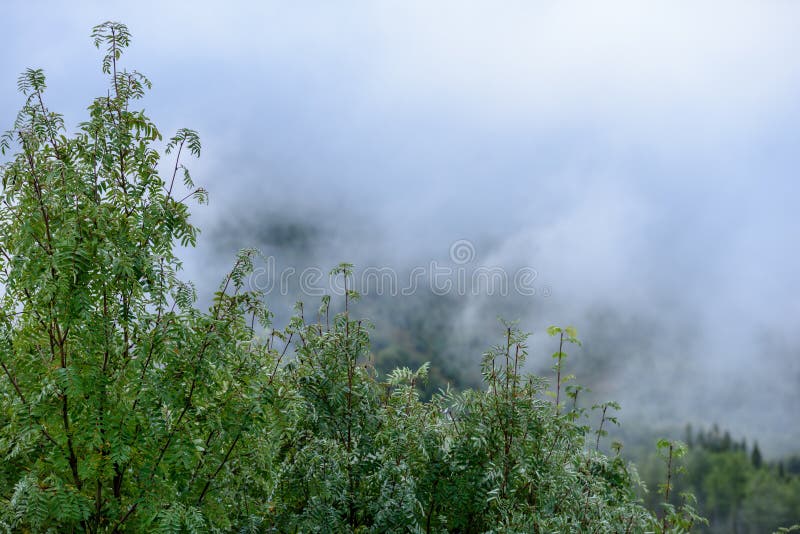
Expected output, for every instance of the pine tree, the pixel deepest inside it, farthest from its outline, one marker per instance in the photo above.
(755, 457)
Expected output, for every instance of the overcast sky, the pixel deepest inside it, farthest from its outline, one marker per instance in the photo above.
(641, 156)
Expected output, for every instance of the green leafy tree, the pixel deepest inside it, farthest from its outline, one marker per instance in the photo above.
(123, 407)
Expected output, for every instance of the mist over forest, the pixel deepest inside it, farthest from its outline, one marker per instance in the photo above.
(642, 160)
(667, 353)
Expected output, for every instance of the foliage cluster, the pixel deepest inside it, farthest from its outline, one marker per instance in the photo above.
(125, 408)
(735, 487)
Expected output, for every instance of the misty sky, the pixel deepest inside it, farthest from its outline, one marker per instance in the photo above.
(641, 156)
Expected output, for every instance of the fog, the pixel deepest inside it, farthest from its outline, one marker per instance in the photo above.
(640, 159)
